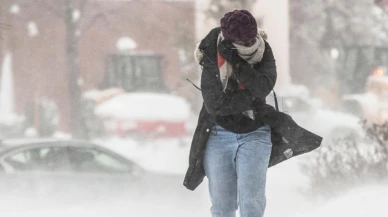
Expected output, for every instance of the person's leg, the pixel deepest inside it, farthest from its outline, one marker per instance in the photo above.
(252, 163)
(220, 169)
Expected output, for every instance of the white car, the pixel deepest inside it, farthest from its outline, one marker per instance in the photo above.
(151, 115)
(47, 173)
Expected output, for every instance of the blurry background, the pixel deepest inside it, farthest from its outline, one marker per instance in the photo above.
(113, 74)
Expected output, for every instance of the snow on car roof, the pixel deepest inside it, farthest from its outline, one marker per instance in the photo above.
(9, 144)
(145, 106)
(31, 141)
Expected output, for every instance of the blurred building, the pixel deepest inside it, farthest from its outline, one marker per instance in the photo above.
(383, 3)
(275, 18)
(109, 31)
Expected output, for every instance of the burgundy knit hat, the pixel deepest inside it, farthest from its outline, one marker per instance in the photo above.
(239, 25)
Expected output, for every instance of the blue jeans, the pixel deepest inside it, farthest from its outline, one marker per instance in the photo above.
(236, 166)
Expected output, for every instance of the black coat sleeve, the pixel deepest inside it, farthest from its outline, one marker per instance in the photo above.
(260, 79)
(217, 101)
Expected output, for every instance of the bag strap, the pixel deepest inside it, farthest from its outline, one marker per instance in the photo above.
(193, 84)
(276, 100)
(274, 94)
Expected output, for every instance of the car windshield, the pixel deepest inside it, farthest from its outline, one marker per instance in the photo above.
(93, 160)
(39, 159)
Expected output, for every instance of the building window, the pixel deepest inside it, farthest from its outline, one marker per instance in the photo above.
(135, 72)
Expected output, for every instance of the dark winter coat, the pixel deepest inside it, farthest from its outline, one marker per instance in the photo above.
(288, 138)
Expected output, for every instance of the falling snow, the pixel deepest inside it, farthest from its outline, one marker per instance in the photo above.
(32, 28)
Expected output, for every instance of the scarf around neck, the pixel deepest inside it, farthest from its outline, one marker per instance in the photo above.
(252, 54)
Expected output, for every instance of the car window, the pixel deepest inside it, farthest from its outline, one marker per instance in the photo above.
(93, 160)
(40, 159)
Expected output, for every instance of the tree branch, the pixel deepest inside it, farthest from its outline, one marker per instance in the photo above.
(83, 6)
(92, 22)
(51, 8)
(101, 15)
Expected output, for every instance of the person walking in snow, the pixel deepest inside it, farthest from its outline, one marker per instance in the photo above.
(238, 135)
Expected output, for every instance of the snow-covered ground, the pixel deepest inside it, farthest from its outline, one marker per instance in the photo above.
(369, 201)
(284, 191)
(285, 185)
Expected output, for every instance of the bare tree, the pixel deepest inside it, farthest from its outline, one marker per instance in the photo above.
(318, 27)
(77, 121)
(78, 17)
(4, 26)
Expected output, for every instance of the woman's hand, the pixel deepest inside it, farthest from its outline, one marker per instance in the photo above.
(232, 86)
(229, 52)
(261, 78)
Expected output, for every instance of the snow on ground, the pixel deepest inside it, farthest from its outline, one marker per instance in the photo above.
(367, 201)
(121, 208)
(284, 189)
(285, 186)
(285, 183)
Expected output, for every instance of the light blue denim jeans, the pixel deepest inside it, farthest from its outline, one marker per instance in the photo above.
(236, 166)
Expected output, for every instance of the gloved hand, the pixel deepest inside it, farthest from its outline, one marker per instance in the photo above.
(232, 86)
(229, 52)
(240, 67)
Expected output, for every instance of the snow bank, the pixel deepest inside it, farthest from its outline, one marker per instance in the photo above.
(108, 209)
(145, 106)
